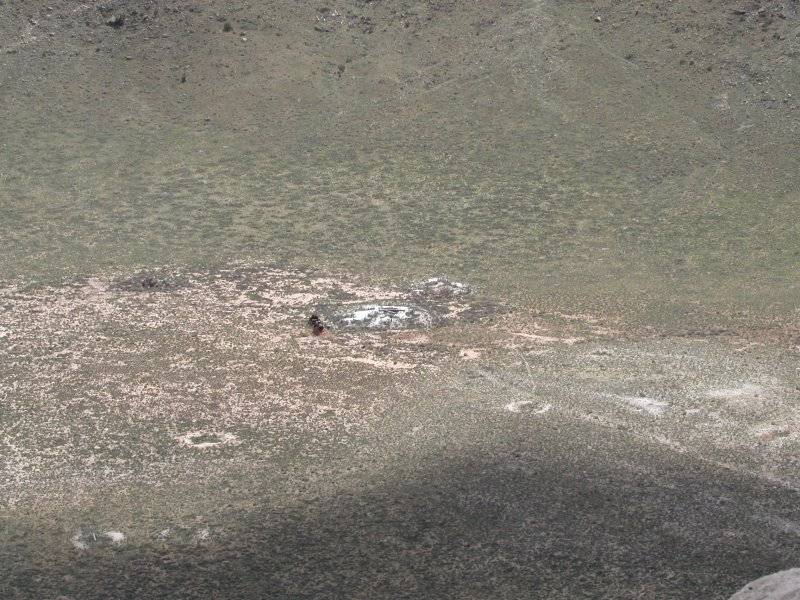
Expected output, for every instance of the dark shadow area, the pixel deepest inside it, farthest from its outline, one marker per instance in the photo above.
(610, 519)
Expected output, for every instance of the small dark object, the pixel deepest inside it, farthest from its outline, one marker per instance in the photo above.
(149, 283)
(227, 27)
(116, 21)
(183, 78)
(317, 327)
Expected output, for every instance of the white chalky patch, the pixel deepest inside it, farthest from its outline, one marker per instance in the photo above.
(116, 537)
(202, 535)
(197, 439)
(82, 540)
(746, 389)
(3, 332)
(385, 316)
(517, 406)
(650, 405)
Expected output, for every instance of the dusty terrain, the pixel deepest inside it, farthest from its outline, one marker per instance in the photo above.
(606, 408)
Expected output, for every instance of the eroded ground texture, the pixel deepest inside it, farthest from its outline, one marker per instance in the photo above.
(182, 434)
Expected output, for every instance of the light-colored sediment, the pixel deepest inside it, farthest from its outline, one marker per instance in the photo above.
(104, 384)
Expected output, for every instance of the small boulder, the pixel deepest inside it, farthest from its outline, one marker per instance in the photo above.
(115, 21)
(783, 585)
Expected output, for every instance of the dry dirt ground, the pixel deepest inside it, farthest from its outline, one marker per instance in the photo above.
(606, 408)
(182, 434)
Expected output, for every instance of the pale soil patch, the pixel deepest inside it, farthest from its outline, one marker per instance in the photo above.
(745, 390)
(106, 384)
(204, 439)
(648, 405)
(547, 339)
(470, 354)
(522, 405)
(86, 539)
(106, 381)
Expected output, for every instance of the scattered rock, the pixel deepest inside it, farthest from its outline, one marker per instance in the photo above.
(115, 21)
